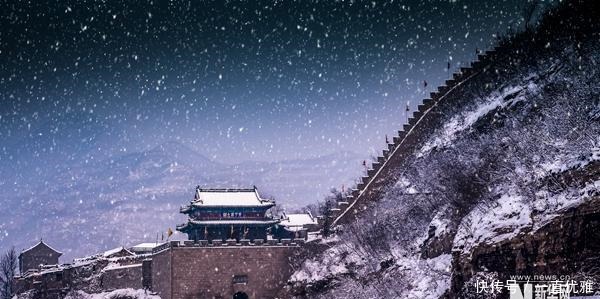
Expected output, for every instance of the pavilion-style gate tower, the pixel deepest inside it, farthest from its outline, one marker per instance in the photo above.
(221, 214)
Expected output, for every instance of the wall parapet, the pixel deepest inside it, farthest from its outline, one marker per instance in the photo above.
(230, 243)
(365, 187)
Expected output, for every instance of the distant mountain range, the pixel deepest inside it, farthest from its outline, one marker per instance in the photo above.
(82, 205)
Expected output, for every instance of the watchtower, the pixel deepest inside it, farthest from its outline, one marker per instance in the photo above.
(221, 214)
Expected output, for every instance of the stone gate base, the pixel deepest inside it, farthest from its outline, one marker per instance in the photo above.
(202, 271)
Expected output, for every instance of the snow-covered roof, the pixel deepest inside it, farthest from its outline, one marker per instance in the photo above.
(143, 247)
(229, 198)
(108, 253)
(298, 220)
(40, 243)
(114, 266)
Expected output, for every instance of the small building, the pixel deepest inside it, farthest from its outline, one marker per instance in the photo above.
(237, 268)
(91, 274)
(144, 248)
(296, 226)
(221, 214)
(117, 252)
(33, 258)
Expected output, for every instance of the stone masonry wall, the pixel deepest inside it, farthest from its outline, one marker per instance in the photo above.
(220, 272)
(121, 277)
(567, 245)
(161, 273)
(424, 121)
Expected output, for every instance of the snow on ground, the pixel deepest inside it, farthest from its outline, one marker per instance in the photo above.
(507, 97)
(440, 222)
(113, 266)
(580, 161)
(110, 252)
(551, 205)
(513, 214)
(513, 143)
(430, 278)
(505, 220)
(333, 262)
(413, 277)
(120, 293)
(404, 184)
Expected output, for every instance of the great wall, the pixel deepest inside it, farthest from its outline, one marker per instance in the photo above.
(174, 268)
(261, 268)
(381, 174)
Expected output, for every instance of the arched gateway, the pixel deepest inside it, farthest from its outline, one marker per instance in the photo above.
(240, 295)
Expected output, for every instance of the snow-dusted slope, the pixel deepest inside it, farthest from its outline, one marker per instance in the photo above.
(510, 151)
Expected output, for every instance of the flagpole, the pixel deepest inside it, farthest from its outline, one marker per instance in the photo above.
(169, 233)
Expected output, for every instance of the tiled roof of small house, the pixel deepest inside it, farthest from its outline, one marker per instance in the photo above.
(143, 247)
(298, 220)
(40, 243)
(114, 251)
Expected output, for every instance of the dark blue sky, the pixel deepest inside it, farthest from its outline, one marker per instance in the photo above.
(235, 81)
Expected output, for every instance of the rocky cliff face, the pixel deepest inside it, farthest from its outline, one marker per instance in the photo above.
(501, 180)
(566, 245)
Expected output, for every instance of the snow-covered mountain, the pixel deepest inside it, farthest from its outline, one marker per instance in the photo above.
(504, 179)
(87, 205)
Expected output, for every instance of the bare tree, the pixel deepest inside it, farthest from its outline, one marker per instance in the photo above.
(8, 269)
(76, 294)
(326, 210)
(277, 210)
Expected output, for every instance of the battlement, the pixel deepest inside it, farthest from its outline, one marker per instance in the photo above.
(230, 243)
(407, 136)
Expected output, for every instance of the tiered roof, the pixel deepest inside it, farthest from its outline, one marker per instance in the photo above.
(227, 198)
